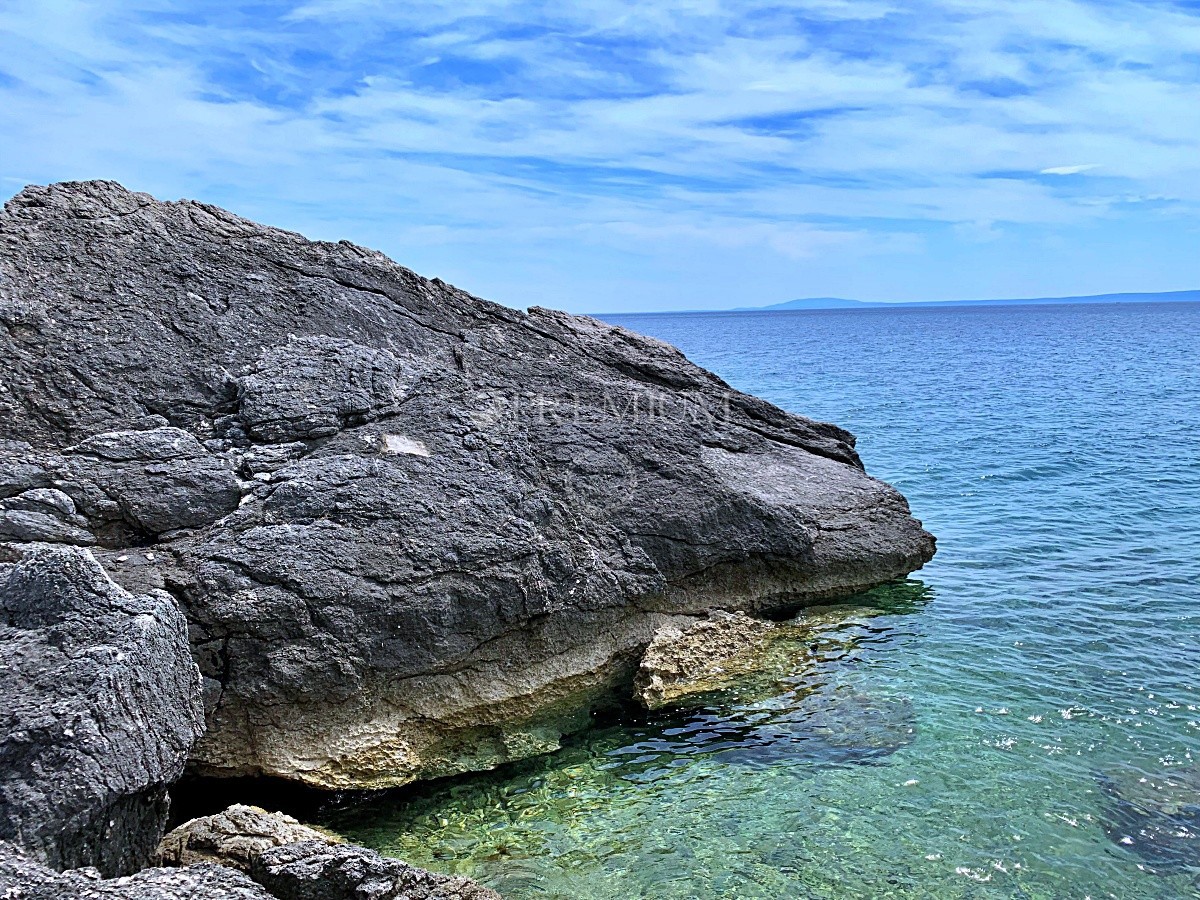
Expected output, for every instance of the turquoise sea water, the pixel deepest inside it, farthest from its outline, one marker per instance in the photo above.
(1019, 719)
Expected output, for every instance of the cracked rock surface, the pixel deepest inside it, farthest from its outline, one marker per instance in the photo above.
(414, 532)
(100, 708)
(295, 862)
(22, 878)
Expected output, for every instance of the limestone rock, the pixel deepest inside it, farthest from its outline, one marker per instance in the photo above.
(42, 515)
(318, 870)
(416, 533)
(234, 837)
(159, 480)
(99, 708)
(21, 878)
(315, 387)
(699, 657)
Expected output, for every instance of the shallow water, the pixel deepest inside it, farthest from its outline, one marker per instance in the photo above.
(996, 728)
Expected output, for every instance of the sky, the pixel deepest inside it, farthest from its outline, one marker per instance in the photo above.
(602, 156)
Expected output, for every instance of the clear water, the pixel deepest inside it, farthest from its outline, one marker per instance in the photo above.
(975, 736)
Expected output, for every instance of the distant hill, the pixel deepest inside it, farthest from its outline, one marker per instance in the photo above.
(842, 303)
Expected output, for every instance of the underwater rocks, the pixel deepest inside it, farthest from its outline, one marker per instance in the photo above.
(414, 533)
(100, 708)
(758, 692)
(1155, 816)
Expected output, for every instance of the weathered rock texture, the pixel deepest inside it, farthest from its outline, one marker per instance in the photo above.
(319, 870)
(295, 862)
(99, 709)
(235, 837)
(22, 878)
(687, 659)
(415, 532)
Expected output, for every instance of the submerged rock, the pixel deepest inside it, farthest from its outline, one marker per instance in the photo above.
(1156, 816)
(99, 708)
(415, 533)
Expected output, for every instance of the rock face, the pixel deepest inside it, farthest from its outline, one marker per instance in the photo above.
(295, 862)
(99, 709)
(415, 533)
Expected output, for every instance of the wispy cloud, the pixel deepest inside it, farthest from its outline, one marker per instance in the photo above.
(602, 153)
(1070, 170)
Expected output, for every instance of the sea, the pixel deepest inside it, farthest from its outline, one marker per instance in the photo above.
(1021, 718)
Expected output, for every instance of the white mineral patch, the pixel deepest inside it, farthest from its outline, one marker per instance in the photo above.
(398, 443)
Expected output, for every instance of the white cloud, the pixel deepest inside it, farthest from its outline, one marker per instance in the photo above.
(764, 136)
(1069, 170)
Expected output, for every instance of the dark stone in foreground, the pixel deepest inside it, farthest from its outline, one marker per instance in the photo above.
(21, 878)
(296, 862)
(99, 708)
(415, 533)
(317, 870)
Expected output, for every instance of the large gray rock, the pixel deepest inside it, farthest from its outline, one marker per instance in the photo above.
(22, 878)
(456, 525)
(99, 709)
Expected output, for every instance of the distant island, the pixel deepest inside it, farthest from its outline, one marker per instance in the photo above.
(842, 303)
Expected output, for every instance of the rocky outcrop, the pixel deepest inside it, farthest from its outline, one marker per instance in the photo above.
(235, 837)
(295, 862)
(414, 532)
(22, 878)
(99, 709)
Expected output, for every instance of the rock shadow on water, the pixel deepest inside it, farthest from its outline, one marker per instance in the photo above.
(1156, 816)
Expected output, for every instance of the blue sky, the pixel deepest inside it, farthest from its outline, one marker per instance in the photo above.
(611, 156)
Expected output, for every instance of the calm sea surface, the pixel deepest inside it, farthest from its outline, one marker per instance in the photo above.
(1019, 719)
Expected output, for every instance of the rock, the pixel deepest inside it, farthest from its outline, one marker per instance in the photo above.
(100, 710)
(319, 870)
(1156, 816)
(21, 878)
(703, 656)
(460, 524)
(157, 481)
(315, 387)
(42, 515)
(295, 862)
(235, 837)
